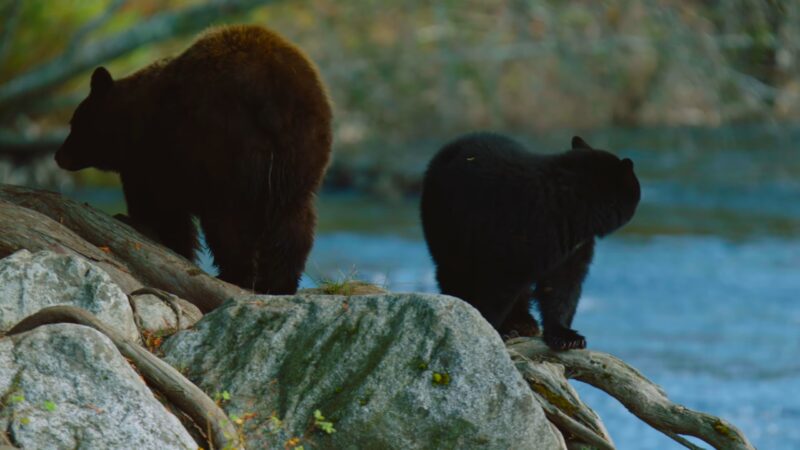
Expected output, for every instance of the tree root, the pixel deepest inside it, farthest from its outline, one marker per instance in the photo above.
(174, 386)
(166, 297)
(576, 421)
(119, 249)
(640, 396)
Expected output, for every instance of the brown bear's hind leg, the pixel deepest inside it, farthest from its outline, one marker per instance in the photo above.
(265, 254)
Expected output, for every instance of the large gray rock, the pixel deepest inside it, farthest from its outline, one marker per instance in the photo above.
(397, 371)
(65, 386)
(33, 281)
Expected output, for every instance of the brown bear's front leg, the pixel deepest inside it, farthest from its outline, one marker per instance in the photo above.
(169, 225)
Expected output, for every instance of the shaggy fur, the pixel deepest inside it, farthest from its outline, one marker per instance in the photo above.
(499, 220)
(235, 131)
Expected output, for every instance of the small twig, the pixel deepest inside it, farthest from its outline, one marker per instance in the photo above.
(683, 441)
(170, 299)
(174, 386)
(137, 319)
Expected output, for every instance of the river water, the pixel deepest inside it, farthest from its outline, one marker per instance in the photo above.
(701, 291)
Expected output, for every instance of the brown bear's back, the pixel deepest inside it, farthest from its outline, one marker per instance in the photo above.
(242, 97)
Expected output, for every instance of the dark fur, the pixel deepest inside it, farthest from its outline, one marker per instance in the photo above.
(235, 131)
(499, 220)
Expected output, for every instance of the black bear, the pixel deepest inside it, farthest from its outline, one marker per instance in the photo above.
(500, 220)
(235, 131)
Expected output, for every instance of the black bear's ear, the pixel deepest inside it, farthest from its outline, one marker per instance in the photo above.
(577, 143)
(101, 81)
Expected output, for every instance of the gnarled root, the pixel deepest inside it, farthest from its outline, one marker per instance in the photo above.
(177, 389)
(640, 396)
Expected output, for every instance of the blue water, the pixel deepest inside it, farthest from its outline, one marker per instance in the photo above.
(715, 322)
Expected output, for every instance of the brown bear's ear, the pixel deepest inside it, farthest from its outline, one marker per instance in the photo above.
(577, 143)
(101, 81)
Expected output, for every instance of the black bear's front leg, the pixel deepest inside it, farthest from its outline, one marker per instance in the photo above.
(519, 321)
(557, 293)
(169, 225)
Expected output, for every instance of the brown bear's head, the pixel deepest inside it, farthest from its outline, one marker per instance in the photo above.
(91, 132)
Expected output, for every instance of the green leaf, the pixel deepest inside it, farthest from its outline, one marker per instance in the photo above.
(50, 406)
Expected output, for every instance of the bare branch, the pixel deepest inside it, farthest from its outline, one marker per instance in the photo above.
(157, 28)
(561, 404)
(92, 25)
(9, 28)
(641, 396)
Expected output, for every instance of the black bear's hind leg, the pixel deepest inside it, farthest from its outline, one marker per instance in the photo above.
(493, 295)
(557, 293)
(519, 321)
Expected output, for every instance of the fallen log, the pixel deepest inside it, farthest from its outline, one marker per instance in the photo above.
(117, 246)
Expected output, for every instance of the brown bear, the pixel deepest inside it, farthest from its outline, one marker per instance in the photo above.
(235, 131)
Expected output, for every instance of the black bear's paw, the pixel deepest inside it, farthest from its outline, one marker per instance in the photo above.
(521, 329)
(564, 339)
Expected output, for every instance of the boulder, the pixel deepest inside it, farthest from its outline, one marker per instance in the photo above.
(32, 281)
(395, 371)
(65, 386)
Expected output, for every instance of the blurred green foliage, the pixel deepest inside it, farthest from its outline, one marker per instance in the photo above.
(403, 76)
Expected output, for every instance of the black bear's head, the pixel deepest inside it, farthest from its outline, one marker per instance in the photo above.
(91, 136)
(607, 182)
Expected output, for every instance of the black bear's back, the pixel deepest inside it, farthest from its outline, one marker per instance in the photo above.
(482, 154)
(482, 201)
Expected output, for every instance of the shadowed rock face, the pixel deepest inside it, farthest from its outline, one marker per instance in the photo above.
(400, 371)
(65, 386)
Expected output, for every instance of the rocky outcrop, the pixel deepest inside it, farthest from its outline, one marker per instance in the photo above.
(66, 386)
(400, 371)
